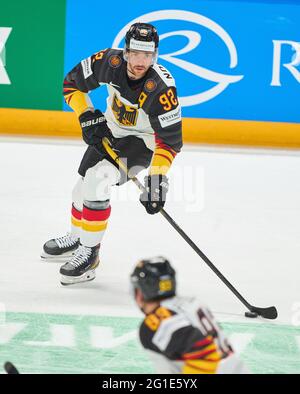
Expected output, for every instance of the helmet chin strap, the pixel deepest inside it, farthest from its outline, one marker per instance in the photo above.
(142, 309)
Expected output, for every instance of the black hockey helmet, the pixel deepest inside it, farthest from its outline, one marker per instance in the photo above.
(142, 37)
(155, 278)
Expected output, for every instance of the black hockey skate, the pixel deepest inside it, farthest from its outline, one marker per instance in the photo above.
(60, 248)
(81, 268)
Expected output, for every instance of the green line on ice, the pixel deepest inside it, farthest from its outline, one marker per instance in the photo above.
(50, 343)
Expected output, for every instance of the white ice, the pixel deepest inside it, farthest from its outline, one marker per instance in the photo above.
(241, 207)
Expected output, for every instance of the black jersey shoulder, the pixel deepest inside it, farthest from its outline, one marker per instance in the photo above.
(151, 325)
(100, 68)
(159, 81)
(107, 64)
(146, 337)
(162, 77)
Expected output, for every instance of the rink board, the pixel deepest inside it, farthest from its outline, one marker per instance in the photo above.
(61, 124)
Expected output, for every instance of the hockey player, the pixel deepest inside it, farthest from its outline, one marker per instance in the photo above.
(180, 335)
(143, 124)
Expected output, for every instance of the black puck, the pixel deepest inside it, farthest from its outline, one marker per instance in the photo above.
(10, 368)
(251, 314)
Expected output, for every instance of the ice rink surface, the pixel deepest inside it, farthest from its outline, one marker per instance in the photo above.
(240, 206)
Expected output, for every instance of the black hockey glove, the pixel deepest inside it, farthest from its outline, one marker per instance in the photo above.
(154, 197)
(94, 127)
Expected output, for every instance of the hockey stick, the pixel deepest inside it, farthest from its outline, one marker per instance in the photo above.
(268, 313)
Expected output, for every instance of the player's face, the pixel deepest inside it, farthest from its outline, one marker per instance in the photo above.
(138, 63)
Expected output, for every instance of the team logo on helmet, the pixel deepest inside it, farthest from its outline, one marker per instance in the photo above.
(114, 61)
(165, 285)
(144, 32)
(150, 85)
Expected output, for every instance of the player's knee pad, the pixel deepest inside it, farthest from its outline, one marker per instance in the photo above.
(77, 194)
(96, 205)
(98, 181)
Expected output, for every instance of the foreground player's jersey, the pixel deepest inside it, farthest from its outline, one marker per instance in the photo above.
(147, 108)
(182, 336)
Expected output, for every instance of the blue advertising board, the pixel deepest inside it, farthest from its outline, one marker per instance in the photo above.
(230, 59)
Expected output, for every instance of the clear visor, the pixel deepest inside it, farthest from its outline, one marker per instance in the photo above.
(154, 55)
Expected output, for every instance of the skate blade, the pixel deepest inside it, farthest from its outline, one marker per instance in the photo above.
(72, 280)
(56, 258)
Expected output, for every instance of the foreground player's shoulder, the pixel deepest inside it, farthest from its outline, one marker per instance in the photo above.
(165, 331)
(151, 326)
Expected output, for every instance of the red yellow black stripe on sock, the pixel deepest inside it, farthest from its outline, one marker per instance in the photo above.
(95, 220)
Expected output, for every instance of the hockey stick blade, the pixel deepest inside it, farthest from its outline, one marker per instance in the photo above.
(267, 313)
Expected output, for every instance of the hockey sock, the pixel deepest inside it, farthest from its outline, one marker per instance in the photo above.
(76, 216)
(94, 221)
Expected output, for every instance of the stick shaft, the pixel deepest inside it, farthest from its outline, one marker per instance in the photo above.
(116, 158)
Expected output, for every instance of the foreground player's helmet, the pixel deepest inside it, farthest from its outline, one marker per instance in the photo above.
(155, 278)
(142, 37)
